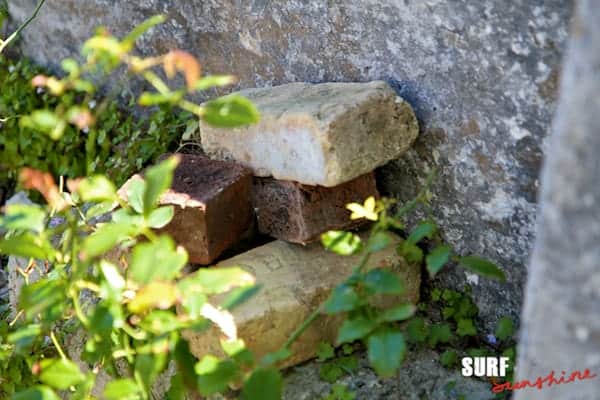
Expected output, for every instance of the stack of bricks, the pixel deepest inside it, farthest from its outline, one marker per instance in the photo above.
(314, 150)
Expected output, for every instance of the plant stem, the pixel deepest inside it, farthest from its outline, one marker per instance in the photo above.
(78, 310)
(300, 330)
(5, 43)
(57, 345)
(418, 198)
(315, 314)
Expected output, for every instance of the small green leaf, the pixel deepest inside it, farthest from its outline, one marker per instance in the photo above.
(106, 45)
(70, 66)
(185, 363)
(342, 243)
(122, 389)
(449, 358)
(482, 267)
(158, 179)
(99, 209)
(330, 372)
(505, 329)
(214, 375)
(24, 337)
(42, 120)
(354, 329)
(378, 241)
(465, 327)
(135, 194)
(103, 318)
(158, 260)
(411, 252)
(160, 217)
(60, 374)
(347, 349)
(399, 313)
(386, 349)
(23, 217)
(417, 330)
(439, 333)
(142, 28)
(263, 384)
(148, 99)
(156, 294)
(160, 322)
(233, 346)
(191, 130)
(214, 81)
(36, 393)
(106, 237)
(423, 230)
(46, 296)
(27, 245)
(342, 298)
(112, 275)
(437, 259)
(348, 363)
(216, 280)
(383, 281)
(193, 302)
(149, 366)
(340, 392)
(96, 188)
(125, 216)
(230, 111)
(325, 351)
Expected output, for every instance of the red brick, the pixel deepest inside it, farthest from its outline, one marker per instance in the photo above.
(212, 206)
(300, 213)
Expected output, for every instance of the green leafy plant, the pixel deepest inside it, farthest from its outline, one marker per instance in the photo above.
(72, 125)
(131, 315)
(358, 295)
(332, 367)
(118, 144)
(340, 392)
(459, 334)
(100, 278)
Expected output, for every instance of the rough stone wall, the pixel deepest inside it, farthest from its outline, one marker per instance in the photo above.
(561, 327)
(481, 75)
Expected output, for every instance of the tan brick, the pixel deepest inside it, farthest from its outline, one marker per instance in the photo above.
(212, 206)
(300, 213)
(323, 134)
(295, 280)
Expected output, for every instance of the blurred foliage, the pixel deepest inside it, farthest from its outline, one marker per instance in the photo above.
(118, 144)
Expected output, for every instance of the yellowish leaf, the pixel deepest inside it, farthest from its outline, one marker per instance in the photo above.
(367, 210)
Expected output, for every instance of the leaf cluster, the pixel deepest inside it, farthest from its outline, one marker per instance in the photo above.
(357, 298)
(132, 309)
(118, 144)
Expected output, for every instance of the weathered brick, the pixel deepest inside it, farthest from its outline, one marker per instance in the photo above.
(299, 213)
(324, 134)
(212, 206)
(295, 280)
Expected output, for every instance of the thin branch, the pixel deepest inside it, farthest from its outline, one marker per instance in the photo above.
(57, 345)
(5, 43)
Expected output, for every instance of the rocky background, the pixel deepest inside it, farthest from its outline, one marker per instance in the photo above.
(482, 77)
